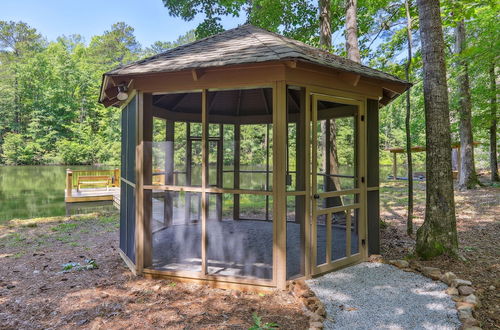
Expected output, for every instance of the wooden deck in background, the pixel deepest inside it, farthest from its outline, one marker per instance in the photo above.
(94, 195)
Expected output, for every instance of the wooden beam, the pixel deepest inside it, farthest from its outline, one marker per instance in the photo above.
(394, 87)
(291, 64)
(219, 119)
(330, 82)
(197, 74)
(350, 78)
(337, 112)
(213, 78)
(264, 99)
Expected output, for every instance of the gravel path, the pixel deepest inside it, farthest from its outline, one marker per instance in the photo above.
(380, 296)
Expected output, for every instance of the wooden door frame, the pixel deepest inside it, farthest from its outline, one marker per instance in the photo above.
(316, 270)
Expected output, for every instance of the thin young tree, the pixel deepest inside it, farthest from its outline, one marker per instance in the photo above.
(409, 219)
(467, 176)
(438, 234)
(493, 125)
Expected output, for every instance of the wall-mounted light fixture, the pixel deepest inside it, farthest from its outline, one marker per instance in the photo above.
(122, 93)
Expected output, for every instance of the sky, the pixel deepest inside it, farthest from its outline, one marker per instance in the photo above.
(53, 18)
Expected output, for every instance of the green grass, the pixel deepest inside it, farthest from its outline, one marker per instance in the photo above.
(65, 227)
(64, 239)
(13, 239)
(110, 219)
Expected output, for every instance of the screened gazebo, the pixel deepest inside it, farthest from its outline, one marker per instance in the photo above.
(248, 159)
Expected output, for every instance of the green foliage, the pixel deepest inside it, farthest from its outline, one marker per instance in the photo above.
(18, 151)
(49, 91)
(89, 264)
(258, 325)
(293, 18)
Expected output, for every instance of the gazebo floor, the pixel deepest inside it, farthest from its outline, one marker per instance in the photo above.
(237, 247)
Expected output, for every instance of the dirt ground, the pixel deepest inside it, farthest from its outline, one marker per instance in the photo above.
(478, 225)
(36, 294)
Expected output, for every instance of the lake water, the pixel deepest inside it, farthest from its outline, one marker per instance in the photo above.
(38, 191)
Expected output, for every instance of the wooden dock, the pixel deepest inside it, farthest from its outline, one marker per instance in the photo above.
(92, 186)
(93, 195)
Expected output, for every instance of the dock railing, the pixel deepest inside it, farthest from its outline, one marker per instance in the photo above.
(73, 175)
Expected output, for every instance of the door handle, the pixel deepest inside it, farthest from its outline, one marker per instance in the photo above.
(316, 196)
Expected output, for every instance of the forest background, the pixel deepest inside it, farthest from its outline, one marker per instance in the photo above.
(49, 110)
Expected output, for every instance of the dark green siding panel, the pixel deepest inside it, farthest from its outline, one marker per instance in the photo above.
(373, 222)
(373, 202)
(127, 192)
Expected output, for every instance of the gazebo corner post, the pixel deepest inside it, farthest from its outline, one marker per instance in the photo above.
(373, 177)
(236, 173)
(279, 183)
(362, 218)
(306, 100)
(143, 171)
(204, 181)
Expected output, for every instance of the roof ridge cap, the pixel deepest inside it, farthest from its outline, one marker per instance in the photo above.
(259, 40)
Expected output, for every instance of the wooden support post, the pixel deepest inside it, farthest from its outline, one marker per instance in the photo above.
(267, 170)
(69, 182)
(394, 166)
(204, 181)
(189, 155)
(307, 173)
(301, 175)
(236, 178)
(279, 183)
(220, 171)
(143, 170)
(168, 208)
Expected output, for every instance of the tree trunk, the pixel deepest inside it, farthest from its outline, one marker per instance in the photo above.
(493, 127)
(329, 126)
(467, 175)
(325, 28)
(438, 234)
(352, 31)
(409, 219)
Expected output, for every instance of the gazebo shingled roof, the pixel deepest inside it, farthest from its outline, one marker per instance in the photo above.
(246, 44)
